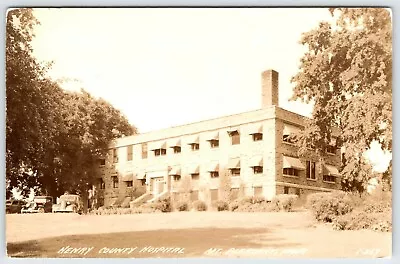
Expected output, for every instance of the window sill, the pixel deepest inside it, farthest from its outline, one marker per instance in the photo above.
(290, 176)
(309, 179)
(329, 182)
(288, 143)
(331, 154)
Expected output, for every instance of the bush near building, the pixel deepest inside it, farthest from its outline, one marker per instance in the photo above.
(284, 202)
(182, 206)
(199, 206)
(353, 212)
(327, 206)
(220, 205)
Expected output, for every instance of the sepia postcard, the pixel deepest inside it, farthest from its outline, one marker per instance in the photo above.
(257, 133)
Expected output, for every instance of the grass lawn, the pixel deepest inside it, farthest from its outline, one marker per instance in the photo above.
(188, 234)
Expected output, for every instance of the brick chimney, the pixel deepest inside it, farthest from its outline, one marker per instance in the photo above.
(269, 88)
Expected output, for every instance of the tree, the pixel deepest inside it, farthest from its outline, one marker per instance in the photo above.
(30, 103)
(88, 126)
(54, 138)
(347, 74)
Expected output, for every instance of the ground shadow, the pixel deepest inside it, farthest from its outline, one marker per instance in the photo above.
(195, 243)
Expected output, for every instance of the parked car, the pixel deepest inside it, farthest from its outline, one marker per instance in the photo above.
(69, 203)
(14, 206)
(39, 204)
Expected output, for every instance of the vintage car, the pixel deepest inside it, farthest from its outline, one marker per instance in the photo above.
(69, 203)
(14, 206)
(39, 204)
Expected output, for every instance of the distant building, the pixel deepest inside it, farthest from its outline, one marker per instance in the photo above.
(243, 154)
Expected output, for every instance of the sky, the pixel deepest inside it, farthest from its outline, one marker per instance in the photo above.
(168, 67)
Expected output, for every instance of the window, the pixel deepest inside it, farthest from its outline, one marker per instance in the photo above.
(235, 172)
(195, 146)
(115, 155)
(257, 137)
(288, 139)
(160, 152)
(129, 183)
(101, 184)
(142, 182)
(298, 192)
(144, 150)
(177, 177)
(214, 143)
(257, 169)
(329, 178)
(214, 174)
(115, 181)
(290, 132)
(310, 170)
(285, 190)
(129, 151)
(177, 149)
(291, 172)
(102, 162)
(235, 137)
(195, 176)
(331, 149)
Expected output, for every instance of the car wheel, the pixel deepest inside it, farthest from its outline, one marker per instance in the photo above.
(8, 211)
(41, 210)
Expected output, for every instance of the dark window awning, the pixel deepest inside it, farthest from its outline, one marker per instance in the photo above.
(194, 169)
(256, 161)
(232, 129)
(141, 175)
(175, 171)
(213, 166)
(290, 129)
(194, 140)
(255, 129)
(290, 162)
(158, 145)
(331, 170)
(174, 143)
(234, 163)
(212, 136)
(127, 177)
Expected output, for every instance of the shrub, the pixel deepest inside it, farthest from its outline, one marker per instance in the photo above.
(163, 205)
(233, 205)
(144, 209)
(377, 206)
(221, 205)
(327, 206)
(284, 202)
(199, 206)
(252, 204)
(362, 220)
(258, 199)
(182, 206)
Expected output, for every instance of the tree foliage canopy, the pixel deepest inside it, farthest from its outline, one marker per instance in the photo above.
(53, 137)
(347, 74)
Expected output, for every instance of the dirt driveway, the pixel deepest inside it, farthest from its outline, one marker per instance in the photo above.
(227, 234)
